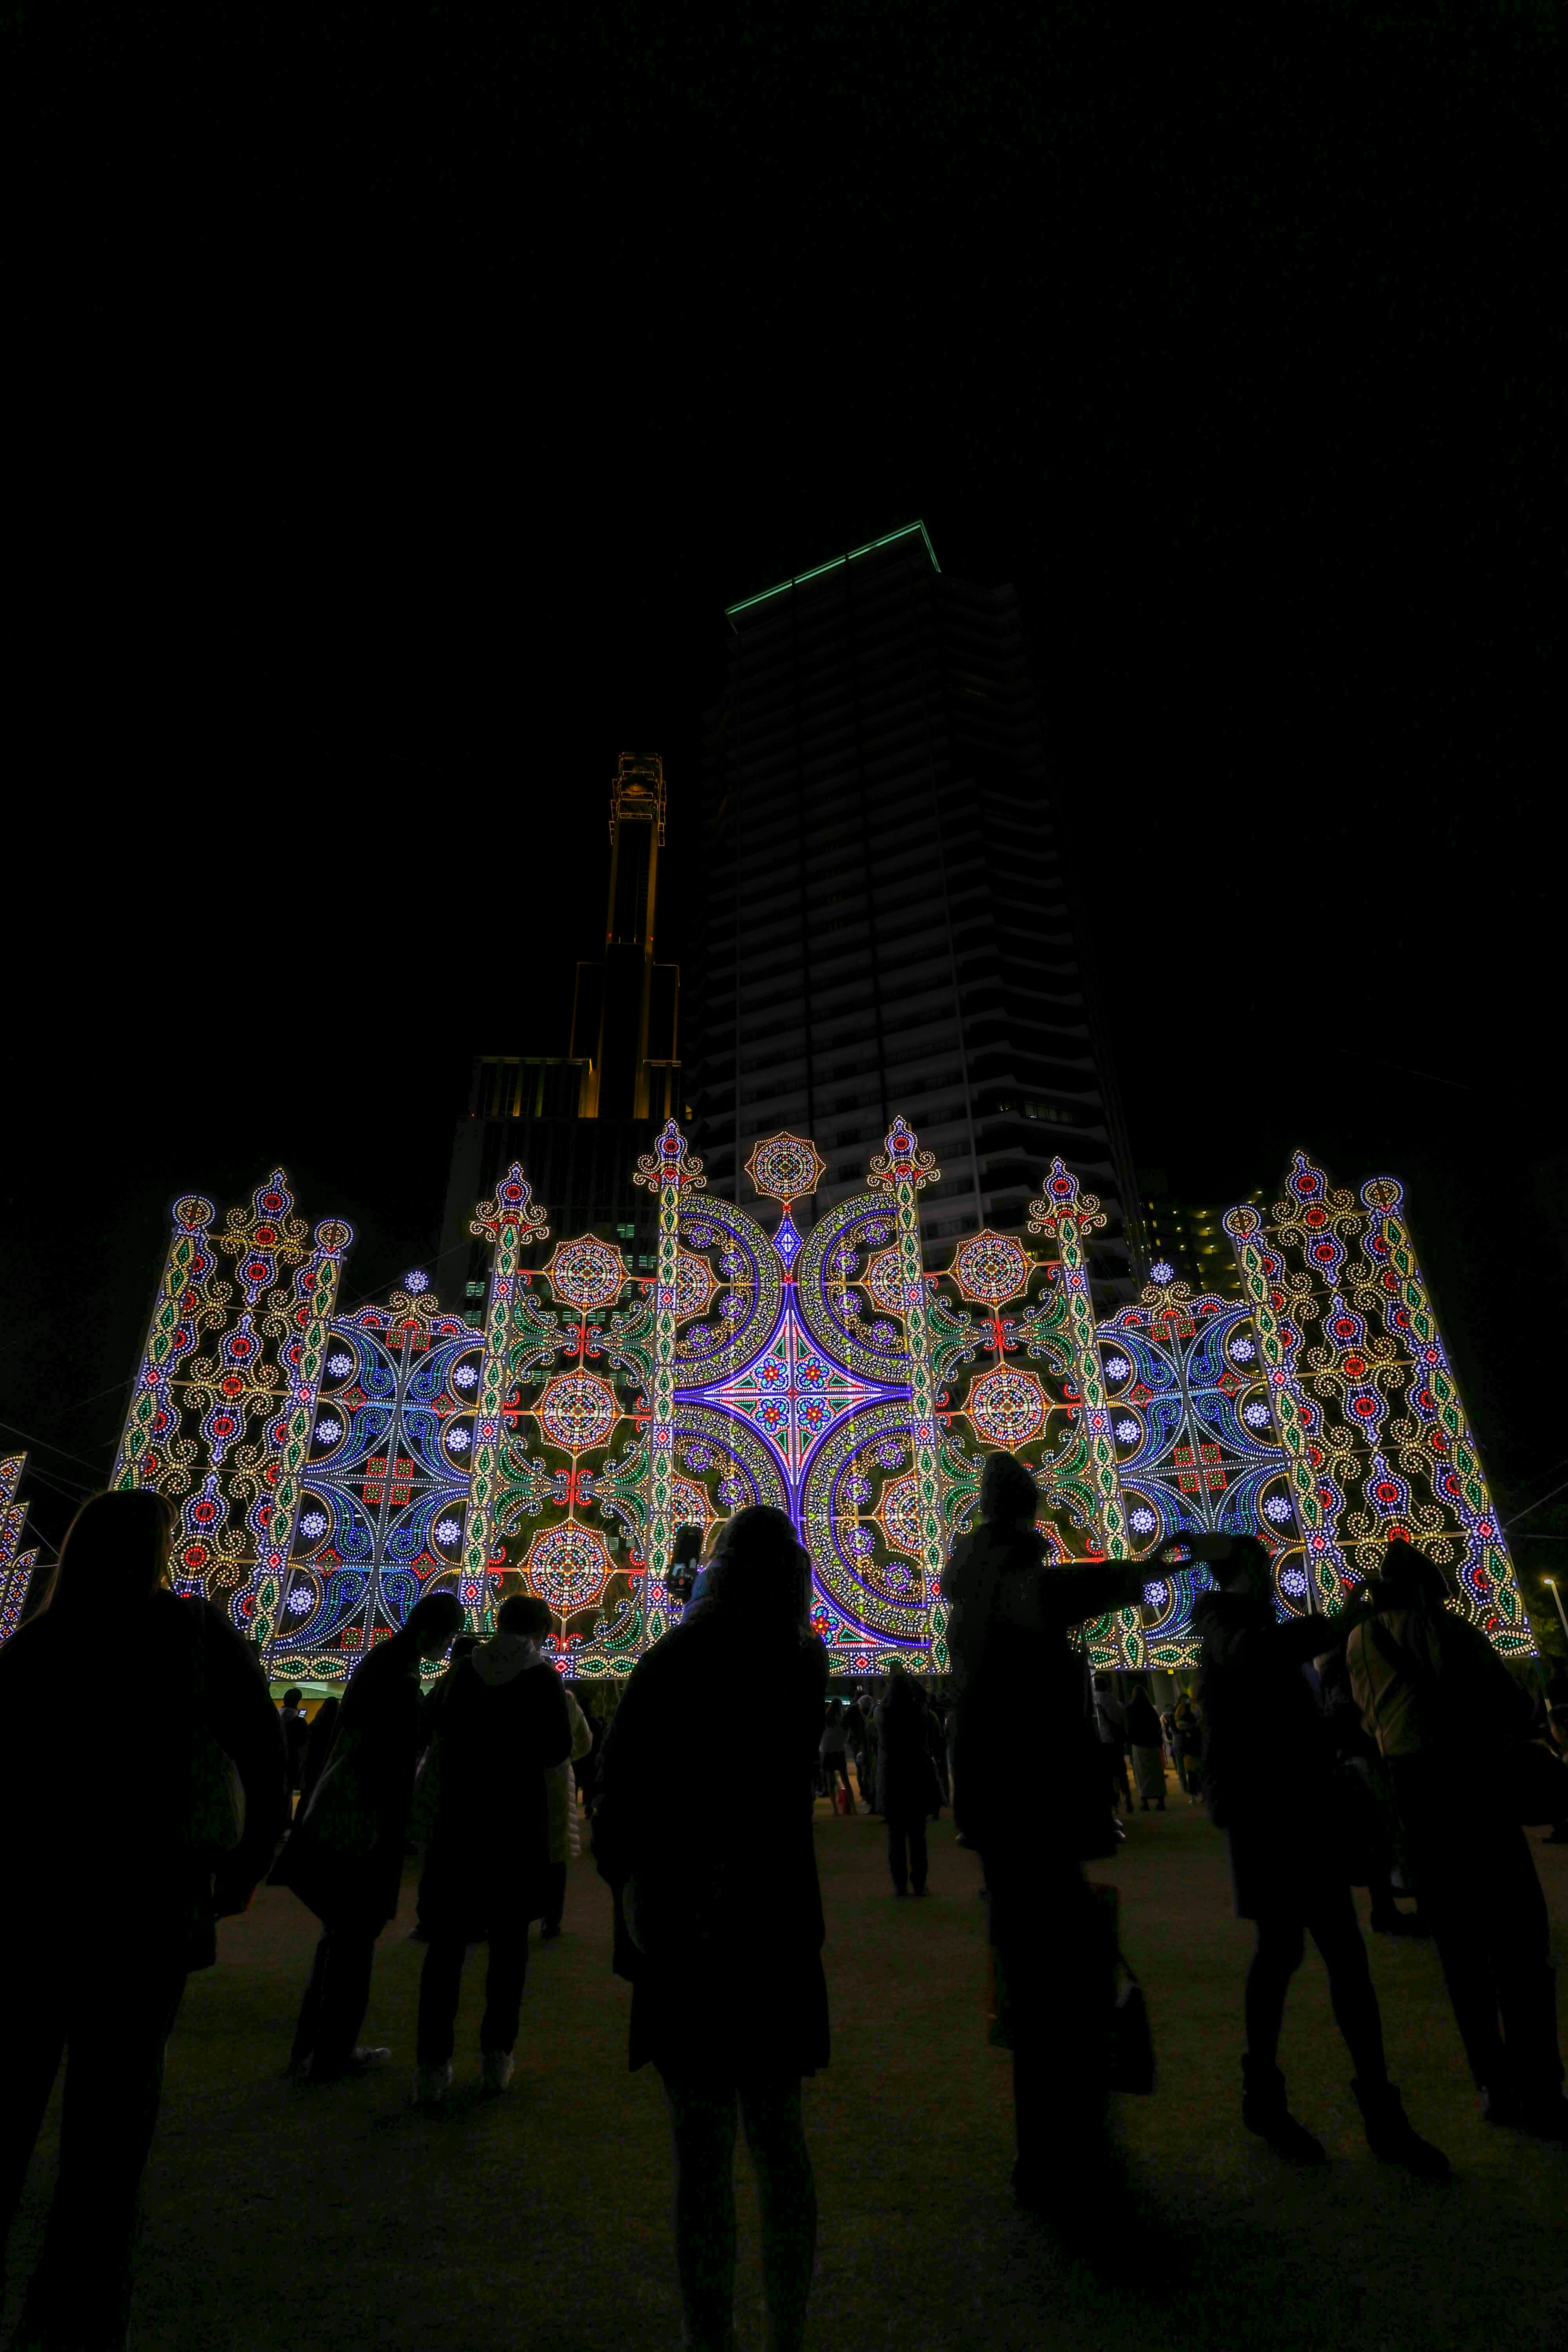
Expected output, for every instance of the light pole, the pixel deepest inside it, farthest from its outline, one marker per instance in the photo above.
(1550, 1584)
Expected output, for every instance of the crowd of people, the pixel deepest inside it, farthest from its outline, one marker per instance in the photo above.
(1386, 1746)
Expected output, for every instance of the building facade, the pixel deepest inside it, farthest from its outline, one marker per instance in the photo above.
(888, 929)
(580, 1120)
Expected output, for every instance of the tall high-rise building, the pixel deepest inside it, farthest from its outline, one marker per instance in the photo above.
(889, 926)
(1188, 1239)
(579, 1120)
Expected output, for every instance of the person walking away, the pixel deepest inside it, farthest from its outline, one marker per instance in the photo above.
(1029, 1792)
(936, 1748)
(907, 1793)
(719, 1918)
(344, 1860)
(1269, 1774)
(868, 1704)
(1110, 1725)
(831, 1750)
(505, 1725)
(1443, 1709)
(129, 1831)
(586, 1766)
(1188, 1745)
(1144, 1738)
(295, 1726)
(858, 1746)
(562, 1790)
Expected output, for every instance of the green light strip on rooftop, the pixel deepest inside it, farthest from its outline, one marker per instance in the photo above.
(838, 561)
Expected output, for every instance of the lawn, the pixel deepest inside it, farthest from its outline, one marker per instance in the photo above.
(283, 2217)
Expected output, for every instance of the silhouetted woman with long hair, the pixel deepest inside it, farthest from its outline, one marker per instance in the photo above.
(124, 1837)
(718, 1916)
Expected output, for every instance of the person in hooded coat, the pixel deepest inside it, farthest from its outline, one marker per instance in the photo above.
(1268, 1776)
(1029, 1791)
(345, 1856)
(718, 1916)
(504, 1726)
(122, 1842)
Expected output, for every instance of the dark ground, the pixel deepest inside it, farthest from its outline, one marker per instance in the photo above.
(281, 2217)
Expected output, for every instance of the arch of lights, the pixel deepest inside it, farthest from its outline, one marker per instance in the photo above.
(329, 1466)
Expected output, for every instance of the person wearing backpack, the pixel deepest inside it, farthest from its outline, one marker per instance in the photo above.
(1268, 1777)
(1445, 1712)
(129, 1831)
(718, 1919)
(1030, 1791)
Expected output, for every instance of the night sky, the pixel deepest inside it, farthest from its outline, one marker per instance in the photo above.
(396, 397)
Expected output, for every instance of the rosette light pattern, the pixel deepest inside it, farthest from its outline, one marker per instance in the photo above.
(568, 1567)
(991, 1268)
(785, 1167)
(578, 1410)
(1007, 1407)
(585, 1272)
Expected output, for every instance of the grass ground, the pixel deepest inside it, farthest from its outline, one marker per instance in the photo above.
(280, 2217)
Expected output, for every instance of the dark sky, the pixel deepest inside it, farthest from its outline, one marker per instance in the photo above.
(397, 396)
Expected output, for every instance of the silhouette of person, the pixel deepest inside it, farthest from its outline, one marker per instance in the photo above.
(562, 1788)
(123, 1841)
(1110, 1723)
(832, 1749)
(1029, 1790)
(344, 1860)
(1268, 1777)
(318, 1747)
(906, 1783)
(503, 1723)
(1440, 1703)
(718, 1916)
(296, 1728)
(1144, 1738)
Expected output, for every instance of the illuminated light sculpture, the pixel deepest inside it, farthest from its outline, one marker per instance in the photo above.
(1347, 1329)
(671, 1172)
(585, 1272)
(326, 1467)
(1195, 1448)
(510, 1223)
(225, 1392)
(16, 1566)
(785, 1391)
(786, 1168)
(1065, 1214)
(1007, 1408)
(384, 1483)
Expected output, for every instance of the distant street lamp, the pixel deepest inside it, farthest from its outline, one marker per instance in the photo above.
(1550, 1584)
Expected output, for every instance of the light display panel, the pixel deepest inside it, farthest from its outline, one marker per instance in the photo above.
(225, 1397)
(384, 1485)
(328, 1468)
(17, 1565)
(569, 1513)
(1365, 1399)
